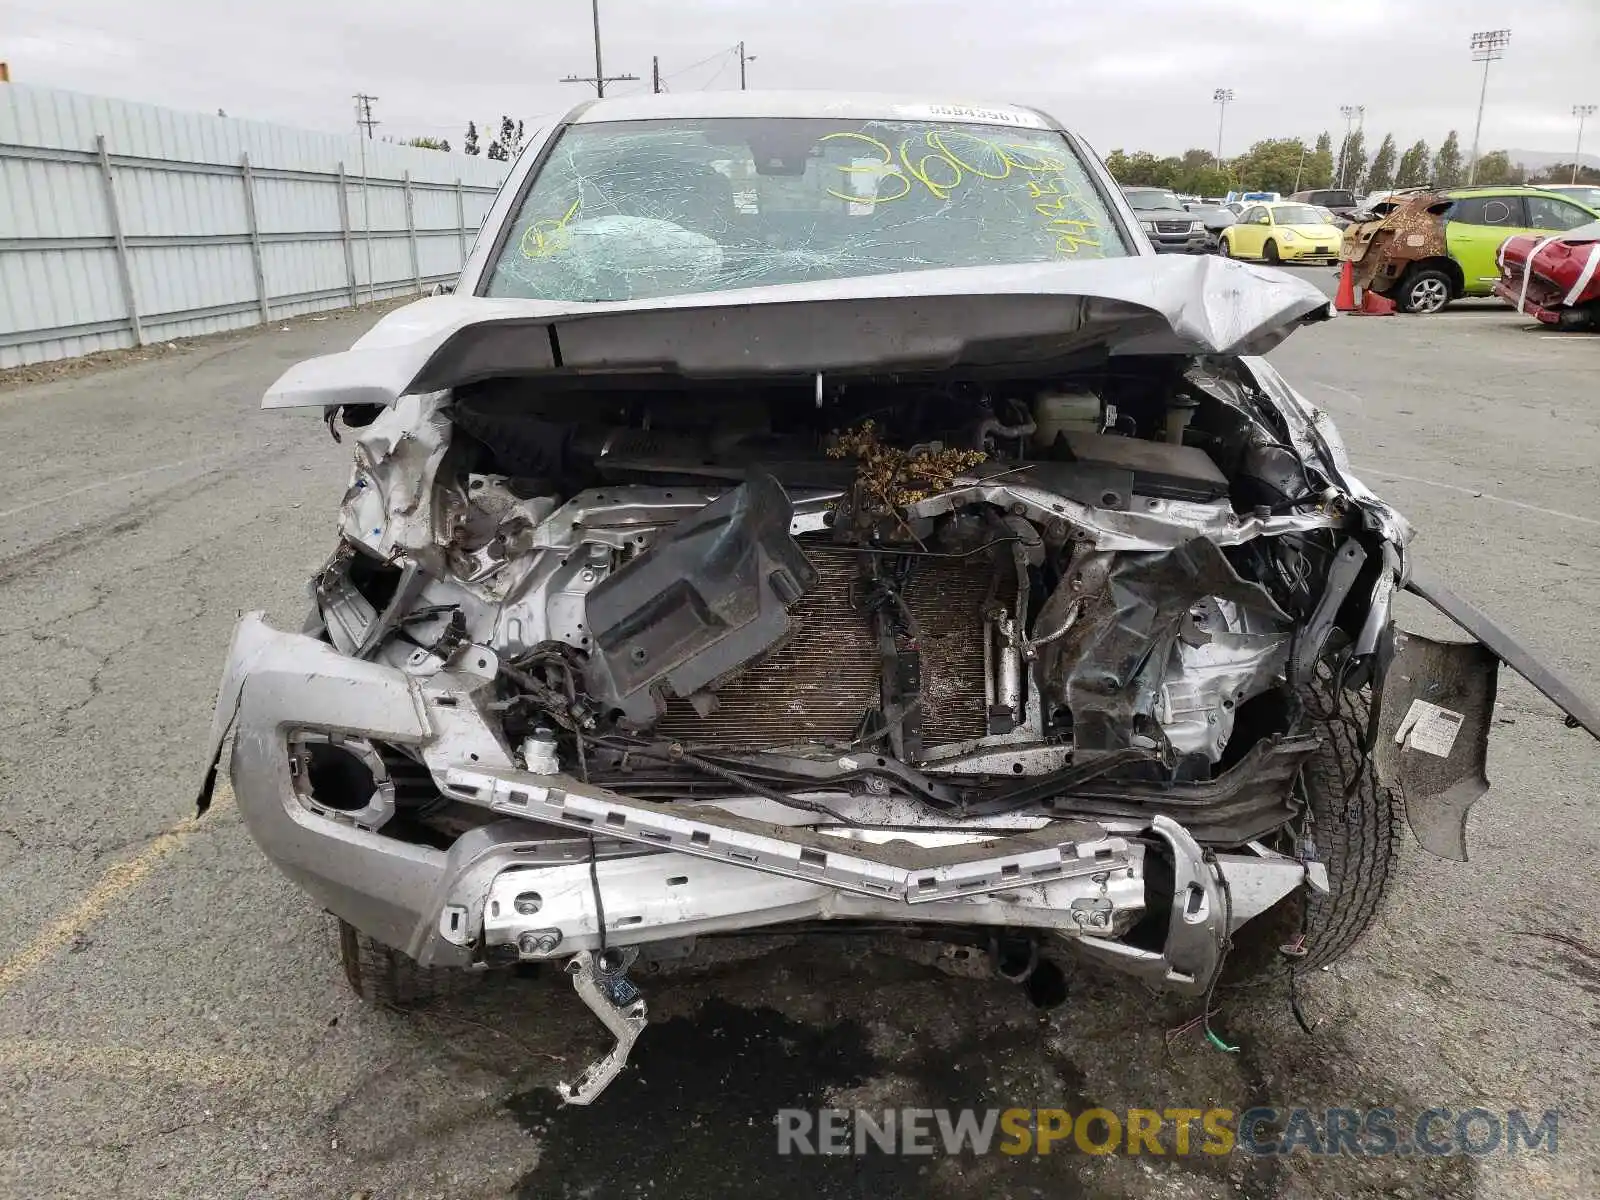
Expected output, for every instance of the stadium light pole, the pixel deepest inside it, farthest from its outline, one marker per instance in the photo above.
(1351, 114)
(1488, 45)
(1582, 112)
(1222, 97)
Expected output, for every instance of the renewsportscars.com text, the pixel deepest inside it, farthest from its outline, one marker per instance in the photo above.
(1434, 1132)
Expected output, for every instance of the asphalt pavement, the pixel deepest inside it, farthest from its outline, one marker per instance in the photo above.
(173, 1020)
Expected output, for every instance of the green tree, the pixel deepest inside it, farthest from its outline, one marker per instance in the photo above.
(1352, 160)
(1144, 170)
(1271, 165)
(1562, 173)
(1117, 164)
(1319, 164)
(1495, 167)
(1447, 163)
(1381, 173)
(1413, 168)
(428, 143)
(470, 144)
(1208, 181)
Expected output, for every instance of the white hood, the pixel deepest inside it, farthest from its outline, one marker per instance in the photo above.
(1029, 315)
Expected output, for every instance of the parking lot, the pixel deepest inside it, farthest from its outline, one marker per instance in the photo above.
(173, 1020)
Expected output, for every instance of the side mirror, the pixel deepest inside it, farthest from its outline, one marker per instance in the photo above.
(1263, 219)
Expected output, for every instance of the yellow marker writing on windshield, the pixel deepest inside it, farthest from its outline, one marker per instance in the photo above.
(953, 156)
(885, 168)
(546, 237)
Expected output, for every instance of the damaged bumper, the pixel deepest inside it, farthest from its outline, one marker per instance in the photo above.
(521, 885)
(558, 869)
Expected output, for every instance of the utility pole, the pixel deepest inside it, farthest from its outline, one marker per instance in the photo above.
(1581, 111)
(1488, 45)
(655, 73)
(1221, 98)
(599, 78)
(365, 120)
(743, 58)
(1351, 114)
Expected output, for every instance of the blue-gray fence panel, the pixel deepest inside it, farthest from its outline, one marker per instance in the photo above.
(122, 222)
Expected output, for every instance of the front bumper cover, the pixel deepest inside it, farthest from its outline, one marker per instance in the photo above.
(563, 869)
(521, 886)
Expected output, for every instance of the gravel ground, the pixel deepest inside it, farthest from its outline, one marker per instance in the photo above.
(172, 1016)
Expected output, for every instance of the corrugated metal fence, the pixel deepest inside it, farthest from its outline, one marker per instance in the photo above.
(122, 224)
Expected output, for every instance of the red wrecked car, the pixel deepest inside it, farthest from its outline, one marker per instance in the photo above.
(1553, 278)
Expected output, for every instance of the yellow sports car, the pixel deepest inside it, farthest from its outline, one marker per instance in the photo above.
(1281, 233)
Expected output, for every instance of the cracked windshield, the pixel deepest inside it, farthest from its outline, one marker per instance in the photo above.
(632, 210)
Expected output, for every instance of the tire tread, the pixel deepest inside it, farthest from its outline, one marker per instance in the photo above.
(384, 976)
(1357, 830)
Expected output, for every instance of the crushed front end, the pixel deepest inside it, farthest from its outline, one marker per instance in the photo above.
(1030, 642)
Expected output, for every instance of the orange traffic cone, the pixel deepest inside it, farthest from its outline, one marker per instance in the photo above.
(1374, 305)
(1345, 301)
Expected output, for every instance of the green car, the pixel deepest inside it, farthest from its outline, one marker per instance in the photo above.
(1425, 248)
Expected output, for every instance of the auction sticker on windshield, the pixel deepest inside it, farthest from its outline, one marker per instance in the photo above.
(961, 112)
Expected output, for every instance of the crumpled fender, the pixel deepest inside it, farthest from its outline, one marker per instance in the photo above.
(1435, 710)
(1580, 710)
(1433, 720)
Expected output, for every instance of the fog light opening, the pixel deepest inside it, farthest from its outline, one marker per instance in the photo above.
(338, 778)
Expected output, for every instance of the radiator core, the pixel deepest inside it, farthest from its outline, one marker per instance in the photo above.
(819, 683)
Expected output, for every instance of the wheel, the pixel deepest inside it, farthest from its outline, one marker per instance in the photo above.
(1425, 290)
(1270, 253)
(384, 976)
(1354, 823)
(1224, 246)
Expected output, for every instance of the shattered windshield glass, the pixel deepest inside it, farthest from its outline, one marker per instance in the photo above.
(637, 209)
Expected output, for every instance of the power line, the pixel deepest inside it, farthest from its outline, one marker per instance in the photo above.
(717, 74)
(659, 78)
(699, 63)
(599, 78)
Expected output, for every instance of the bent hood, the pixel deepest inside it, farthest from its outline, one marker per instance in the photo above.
(1028, 315)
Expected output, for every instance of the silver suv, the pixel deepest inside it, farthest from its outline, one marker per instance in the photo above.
(1169, 226)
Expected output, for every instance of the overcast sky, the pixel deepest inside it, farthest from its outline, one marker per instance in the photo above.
(1138, 74)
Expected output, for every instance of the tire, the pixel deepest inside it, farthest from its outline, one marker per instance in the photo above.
(1424, 290)
(1270, 253)
(1224, 246)
(385, 977)
(1355, 824)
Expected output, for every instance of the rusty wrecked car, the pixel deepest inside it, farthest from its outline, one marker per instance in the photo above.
(1423, 248)
(820, 511)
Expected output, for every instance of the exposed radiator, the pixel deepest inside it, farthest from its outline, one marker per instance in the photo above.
(819, 683)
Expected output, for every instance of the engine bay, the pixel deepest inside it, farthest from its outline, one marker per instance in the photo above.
(970, 592)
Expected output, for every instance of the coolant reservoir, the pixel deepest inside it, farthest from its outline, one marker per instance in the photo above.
(1064, 412)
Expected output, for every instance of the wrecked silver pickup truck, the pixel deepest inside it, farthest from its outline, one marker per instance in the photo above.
(830, 510)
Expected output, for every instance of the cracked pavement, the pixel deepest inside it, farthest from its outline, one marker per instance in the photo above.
(184, 1030)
